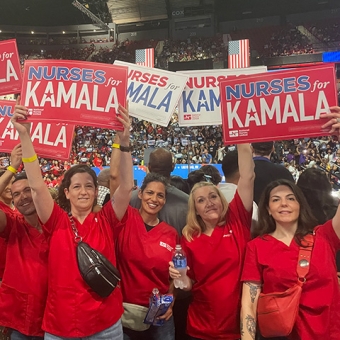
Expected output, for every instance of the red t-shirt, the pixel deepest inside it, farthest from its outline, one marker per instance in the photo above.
(143, 258)
(72, 309)
(216, 264)
(273, 263)
(23, 290)
(3, 244)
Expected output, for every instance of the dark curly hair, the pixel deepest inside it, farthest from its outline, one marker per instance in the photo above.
(266, 224)
(63, 202)
(154, 177)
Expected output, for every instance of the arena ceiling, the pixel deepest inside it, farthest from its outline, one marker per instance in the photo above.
(61, 12)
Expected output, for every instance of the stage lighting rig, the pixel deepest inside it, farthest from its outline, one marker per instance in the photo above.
(96, 21)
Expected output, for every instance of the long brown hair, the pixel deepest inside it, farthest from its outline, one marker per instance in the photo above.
(195, 225)
(266, 224)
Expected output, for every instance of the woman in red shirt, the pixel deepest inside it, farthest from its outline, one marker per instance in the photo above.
(73, 310)
(271, 261)
(144, 249)
(214, 241)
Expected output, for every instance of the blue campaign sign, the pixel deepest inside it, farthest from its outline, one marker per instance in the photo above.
(139, 172)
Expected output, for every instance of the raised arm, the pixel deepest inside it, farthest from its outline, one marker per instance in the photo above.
(114, 165)
(121, 198)
(333, 124)
(11, 170)
(41, 197)
(250, 295)
(245, 185)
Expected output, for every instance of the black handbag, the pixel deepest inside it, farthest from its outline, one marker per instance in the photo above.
(96, 270)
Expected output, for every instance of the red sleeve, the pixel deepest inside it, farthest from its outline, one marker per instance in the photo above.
(54, 219)
(109, 214)
(327, 232)
(251, 269)
(5, 233)
(238, 214)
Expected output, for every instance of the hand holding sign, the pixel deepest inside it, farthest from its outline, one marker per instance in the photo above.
(20, 113)
(334, 122)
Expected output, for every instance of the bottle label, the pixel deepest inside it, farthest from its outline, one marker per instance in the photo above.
(180, 262)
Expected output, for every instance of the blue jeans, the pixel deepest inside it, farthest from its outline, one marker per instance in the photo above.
(114, 332)
(15, 335)
(165, 332)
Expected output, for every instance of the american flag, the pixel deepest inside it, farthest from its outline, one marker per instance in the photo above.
(238, 51)
(145, 57)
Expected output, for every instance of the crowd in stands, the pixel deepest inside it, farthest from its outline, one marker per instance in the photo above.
(326, 32)
(286, 42)
(193, 49)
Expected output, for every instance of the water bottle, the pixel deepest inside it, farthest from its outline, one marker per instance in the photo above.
(180, 262)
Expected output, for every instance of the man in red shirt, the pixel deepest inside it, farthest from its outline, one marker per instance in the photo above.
(24, 286)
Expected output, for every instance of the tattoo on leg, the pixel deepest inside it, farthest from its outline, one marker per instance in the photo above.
(251, 326)
(253, 290)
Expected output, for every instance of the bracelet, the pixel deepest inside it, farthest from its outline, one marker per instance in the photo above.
(12, 170)
(30, 159)
(116, 146)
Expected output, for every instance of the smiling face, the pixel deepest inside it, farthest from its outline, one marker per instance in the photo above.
(153, 198)
(22, 197)
(82, 192)
(208, 204)
(283, 205)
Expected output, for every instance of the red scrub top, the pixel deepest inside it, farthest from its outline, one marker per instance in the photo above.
(273, 263)
(72, 309)
(23, 290)
(216, 264)
(143, 258)
(3, 244)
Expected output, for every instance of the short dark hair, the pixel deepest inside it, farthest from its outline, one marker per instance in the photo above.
(230, 164)
(266, 224)
(19, 176)
(161, 162)
(153, 177)
(317, 189)
(263, 148)
(180, 183)
(66, 182)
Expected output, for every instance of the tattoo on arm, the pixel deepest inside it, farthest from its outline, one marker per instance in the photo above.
(253, 290)
(251, 326)
(241, 326)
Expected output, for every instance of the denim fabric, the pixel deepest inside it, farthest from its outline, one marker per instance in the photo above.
(165, 332)
(15, 335)
(114, 332)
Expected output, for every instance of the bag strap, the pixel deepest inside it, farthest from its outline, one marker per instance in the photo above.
(305, 253)
(77, 237)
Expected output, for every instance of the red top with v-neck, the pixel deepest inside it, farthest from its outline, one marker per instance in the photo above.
(3, 243)
(143, 258)
(73, 310)
(216, 264)
(23, 290)
(273, 263)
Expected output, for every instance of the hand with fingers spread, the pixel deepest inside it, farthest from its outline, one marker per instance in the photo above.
(16, 156)
(334, 120)
(20, 113)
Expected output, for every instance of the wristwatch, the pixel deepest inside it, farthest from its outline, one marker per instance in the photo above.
(125, 148)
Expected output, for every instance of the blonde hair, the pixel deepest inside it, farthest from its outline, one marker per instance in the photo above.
(195, 225)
